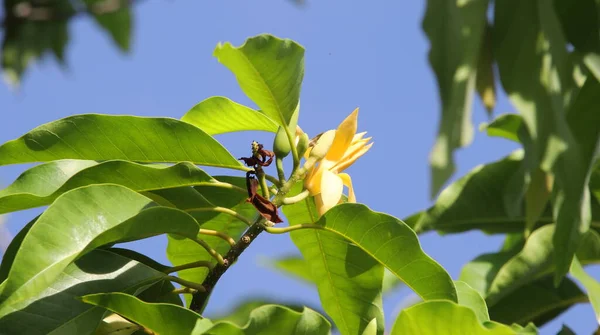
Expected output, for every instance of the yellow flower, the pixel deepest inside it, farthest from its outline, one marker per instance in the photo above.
(325, 180)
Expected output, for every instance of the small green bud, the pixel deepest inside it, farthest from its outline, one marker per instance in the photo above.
(281, 145)
(302, 145)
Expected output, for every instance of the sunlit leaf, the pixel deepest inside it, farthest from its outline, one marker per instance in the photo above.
(240, 314)
(349, 281)
(297, 267)
(276, 320)
(87, 217)
(506, 126)
(160, 318)
(469, 297)
(108, 137)
(56, 308)
(40, 185)
(218, 115)
(591, 285)
(269, 70)
(454, 57)
(444, 317)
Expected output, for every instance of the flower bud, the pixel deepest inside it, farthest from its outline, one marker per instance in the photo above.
(281, 144)
(302, 144)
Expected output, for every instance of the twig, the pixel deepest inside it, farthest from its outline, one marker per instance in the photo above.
(200, 298)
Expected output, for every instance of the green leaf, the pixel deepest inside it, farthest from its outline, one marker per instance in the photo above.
(406, 259)
(536, 198)
(539, 81)
(454, 58)
(592, 286)
(485, 79)
(498, 276)
(538, 302)
(276, 320)
(116, 21)
(444, 317)
(57, 310)
(240, 314)
(505, 126)
(297, 267)
(581, 24)
(269, 70)
(9, 255)
(115, 213)
(566, 331)
(468, 297)
(477, 201)
(183, 251)
(42, 184)
(160, 318)
(218, 115)
(25, 41)
(108, 137)
(349, 281)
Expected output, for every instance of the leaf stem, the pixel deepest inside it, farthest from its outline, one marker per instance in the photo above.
(192, 265)
(272, 179)
(186, 283)
(283, 230)
(221, 210)
(263, 182)
(297, 198)
(280, 170)
(210, 250)
(226, 186)
(218, 234)
(200, 298)
(184, 290)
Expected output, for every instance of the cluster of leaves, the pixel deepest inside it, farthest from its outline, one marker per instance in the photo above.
(34, 28)
(545, 196)
(112, 179)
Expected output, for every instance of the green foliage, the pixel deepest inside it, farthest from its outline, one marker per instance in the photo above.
(158, 317)
(107, 137)
(112, 179)
(454, 57)
(445, 317)
(32, 30)
(218, 115)
(275, 320)
(270, 71)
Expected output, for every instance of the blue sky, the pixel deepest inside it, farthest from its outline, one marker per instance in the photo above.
(371, 55)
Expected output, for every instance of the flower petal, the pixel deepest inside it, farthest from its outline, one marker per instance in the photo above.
(343, 165)
(348, 182)
(332, 188)
(343, 137)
